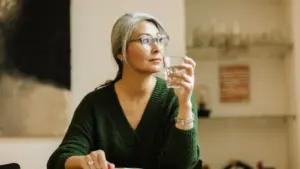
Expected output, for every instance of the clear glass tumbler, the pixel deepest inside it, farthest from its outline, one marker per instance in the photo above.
(170, 67)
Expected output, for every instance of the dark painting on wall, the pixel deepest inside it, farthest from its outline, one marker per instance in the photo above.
(34, 67)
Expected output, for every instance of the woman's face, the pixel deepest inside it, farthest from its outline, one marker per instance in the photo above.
(146, 47)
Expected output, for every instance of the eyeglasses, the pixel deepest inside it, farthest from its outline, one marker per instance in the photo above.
(147, 41)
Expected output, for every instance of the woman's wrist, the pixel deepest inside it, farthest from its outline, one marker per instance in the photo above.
(185, 102)
(185, 110)
(185, 114)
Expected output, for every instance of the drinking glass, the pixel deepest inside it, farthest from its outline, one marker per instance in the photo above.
(170, 67)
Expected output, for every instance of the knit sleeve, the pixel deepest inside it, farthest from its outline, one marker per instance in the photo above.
(180, 150)
(78, 138)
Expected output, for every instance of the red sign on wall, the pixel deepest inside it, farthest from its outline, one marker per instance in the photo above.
(234, 83)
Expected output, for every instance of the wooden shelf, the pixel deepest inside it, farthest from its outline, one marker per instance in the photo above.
(284, 117)
(257, 50)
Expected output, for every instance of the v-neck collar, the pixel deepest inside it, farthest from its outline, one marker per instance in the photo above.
(128, 134)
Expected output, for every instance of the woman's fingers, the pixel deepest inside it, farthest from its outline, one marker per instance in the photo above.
(102, 159)
(97, 160)
(181, 76)
(187, 67)
(111, 165)
(94, 156)
(190, 61)
(185, 85)
(90, 162)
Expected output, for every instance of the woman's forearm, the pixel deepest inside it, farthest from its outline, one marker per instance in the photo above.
(75, 162)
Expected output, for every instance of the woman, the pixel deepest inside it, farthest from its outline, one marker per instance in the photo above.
(134, 120)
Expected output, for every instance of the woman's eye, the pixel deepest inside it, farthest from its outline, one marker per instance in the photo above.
(163, 40)
(146, 40)
(160, 40)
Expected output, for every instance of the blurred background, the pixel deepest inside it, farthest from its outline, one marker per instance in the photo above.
(247, 86)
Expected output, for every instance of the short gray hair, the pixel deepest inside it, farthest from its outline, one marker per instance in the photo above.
(124, 27)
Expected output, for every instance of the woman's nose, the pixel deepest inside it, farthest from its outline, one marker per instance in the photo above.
(155, 48)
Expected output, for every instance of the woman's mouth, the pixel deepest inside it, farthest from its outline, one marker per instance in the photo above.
(155, 60)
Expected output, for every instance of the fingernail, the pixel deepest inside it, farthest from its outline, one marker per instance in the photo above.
(111, 165)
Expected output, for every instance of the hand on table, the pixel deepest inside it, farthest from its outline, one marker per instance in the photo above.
(97, 160)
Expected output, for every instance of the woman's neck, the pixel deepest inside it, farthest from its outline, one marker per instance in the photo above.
(137, 85)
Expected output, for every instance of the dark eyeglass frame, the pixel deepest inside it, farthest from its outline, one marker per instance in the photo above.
(153, 39)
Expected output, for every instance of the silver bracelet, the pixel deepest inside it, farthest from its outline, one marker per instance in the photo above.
(185, 122)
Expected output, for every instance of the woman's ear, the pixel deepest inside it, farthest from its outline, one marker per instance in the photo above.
(120, 57)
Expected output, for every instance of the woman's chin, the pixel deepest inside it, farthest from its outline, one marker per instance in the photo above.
(156, 70)
(152, 69)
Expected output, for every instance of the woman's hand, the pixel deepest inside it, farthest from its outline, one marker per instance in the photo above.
(184, 93)
(185, 81)
(96, 160)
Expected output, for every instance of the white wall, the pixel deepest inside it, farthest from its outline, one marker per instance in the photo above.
(293, 156)
(295, 12)
(246, 136)
(92, 63)
(247, 139)
(255, 16)
(30, 153)
(268, 95)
